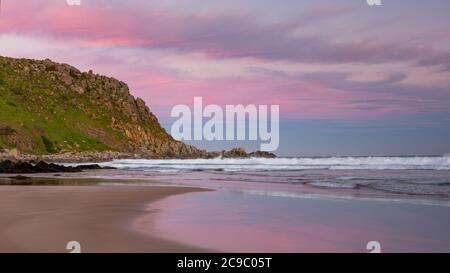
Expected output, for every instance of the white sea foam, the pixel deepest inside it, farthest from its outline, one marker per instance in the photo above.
(291, 175)
(280, 164)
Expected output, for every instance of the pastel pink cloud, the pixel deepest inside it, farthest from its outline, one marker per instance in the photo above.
(92, 36)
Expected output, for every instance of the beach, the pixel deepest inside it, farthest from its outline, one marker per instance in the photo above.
(225, 127)
(232, 205)
(45, 218)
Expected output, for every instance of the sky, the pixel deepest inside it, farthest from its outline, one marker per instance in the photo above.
(350, 79)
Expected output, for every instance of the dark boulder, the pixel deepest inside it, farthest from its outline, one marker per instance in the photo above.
(262, 154)
(43, 167)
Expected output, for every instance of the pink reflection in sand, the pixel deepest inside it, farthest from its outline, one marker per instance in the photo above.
(230, 227)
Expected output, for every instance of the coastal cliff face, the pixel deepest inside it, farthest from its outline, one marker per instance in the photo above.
(50, 108)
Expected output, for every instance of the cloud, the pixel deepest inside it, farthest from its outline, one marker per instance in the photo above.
(302, 63)
(216, 35)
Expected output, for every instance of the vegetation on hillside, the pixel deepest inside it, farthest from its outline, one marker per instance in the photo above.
(48, 108)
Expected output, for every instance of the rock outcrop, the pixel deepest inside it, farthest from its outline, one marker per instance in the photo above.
(51, 108)
(55, 112)
(263, 154)
(42, 167)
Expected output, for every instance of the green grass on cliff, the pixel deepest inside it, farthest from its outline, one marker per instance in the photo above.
(40, 115)
(37, 119)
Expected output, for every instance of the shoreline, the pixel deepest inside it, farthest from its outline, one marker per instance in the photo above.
(119, 177)
(114, 210)
(107, 156)
(45, 218)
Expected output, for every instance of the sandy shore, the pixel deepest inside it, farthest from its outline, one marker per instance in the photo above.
(46, 218)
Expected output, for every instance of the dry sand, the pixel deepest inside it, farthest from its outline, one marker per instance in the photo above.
(46, 218)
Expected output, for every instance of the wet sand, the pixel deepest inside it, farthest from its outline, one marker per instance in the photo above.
(232, 221)
(46, 218)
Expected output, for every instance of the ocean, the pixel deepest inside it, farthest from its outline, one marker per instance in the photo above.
(326, 204)
(421, 177)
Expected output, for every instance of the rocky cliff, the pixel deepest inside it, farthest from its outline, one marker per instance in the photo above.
(55, 112)
(51, 108)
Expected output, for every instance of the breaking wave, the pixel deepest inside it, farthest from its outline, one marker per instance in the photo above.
(289, 164)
